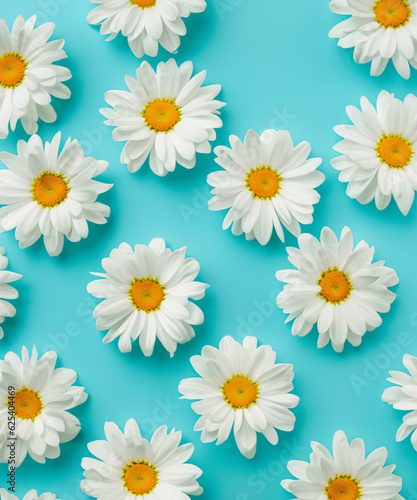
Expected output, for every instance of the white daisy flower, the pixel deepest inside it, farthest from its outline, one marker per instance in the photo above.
(378, 151)
(38, 395)
(336, 287)
(128, 466)
(7, 292)
(147, 294)
(146, 23)
(28, 77)
(241, 387)
(403, 396)
(379, 30)
(49, 194)
(266, 183)
(347, 475)
(167, 115)
(30, 495)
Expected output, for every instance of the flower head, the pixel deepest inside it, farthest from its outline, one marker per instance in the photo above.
(167, 116)
(335, 286)
(129, 466)
(403, 396)
(266, 184)
(28, 76)
(347, 475)
(146, 23)
(7, 310)
(39, 396)
(378, 152)
(147, 292)
(51, 194)
(241, 388)
(379, 31)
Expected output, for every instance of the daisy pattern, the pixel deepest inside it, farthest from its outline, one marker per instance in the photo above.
(28, 76)
(49, 194)
(146, 23)
(167, 115)
(378, 151)
(129, 466)
(347, 475)
(241, 387)
(7, 292)
(147, 294)
(266, 183)
(335, 286)
(30, 495)
(403, 396)
(379, 30)
(39, 396)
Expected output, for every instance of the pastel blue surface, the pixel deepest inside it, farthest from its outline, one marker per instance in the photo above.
(278, 68)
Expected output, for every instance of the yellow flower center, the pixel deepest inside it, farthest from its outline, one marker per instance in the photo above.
(50, 189)
(263, 182)
(143, 3)
(139, 478)
(392, 13)
(146, 294)
(343, 488)
(161, 115)
(394, 151)
(12, 70)
(335, 286)
(240, 392)
(27, 404)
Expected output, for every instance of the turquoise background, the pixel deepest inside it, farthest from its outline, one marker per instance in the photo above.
(278, 69)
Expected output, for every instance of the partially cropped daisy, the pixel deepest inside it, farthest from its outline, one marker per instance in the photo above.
(336, 287)
(403, 396)
(129, 466)
(379, 30)
(39, 396)
(379, 151)
(7, 292)
(147, 293)
(167, 115)
(241, 388)
(146, 23)
(347, 475)
(30, 495)
(50, 194)
(266, 183)
(28, 76)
